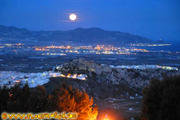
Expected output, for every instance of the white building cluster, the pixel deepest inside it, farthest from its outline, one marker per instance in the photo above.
(11, 78)
(143, 67)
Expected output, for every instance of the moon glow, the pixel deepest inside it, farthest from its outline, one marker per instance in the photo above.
(72, 17)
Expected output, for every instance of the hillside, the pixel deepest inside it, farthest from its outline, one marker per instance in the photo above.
(103, 80)
(134, 78)
(91, 36)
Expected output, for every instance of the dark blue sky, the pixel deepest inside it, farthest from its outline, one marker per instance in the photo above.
(153, 19)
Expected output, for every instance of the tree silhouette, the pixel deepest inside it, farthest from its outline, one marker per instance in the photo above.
(39, 100)
(4, 96)
(63, 99)
(161, 100)
(68, 99)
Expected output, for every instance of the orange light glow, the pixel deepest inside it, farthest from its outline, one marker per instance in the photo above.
(83, 78)
(17, 81)
(68, 76)
(62, 75)
(74, 76)
(106, 118)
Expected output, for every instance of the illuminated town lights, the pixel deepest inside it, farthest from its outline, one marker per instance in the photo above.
(74, 76)
(83, 78)
(68, 76)
(17, 81)
(62, 75)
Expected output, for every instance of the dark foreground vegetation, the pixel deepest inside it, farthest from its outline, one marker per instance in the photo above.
(63, 99)
(161, 100)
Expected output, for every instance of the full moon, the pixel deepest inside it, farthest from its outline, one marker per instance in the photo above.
(72, 17)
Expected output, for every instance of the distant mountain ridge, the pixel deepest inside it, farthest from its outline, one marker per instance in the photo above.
(89, 36)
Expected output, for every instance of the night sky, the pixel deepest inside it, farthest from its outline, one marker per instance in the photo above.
(154, 19)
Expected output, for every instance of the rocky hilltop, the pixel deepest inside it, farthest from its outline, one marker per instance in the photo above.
(134, 78)
(91, 36)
